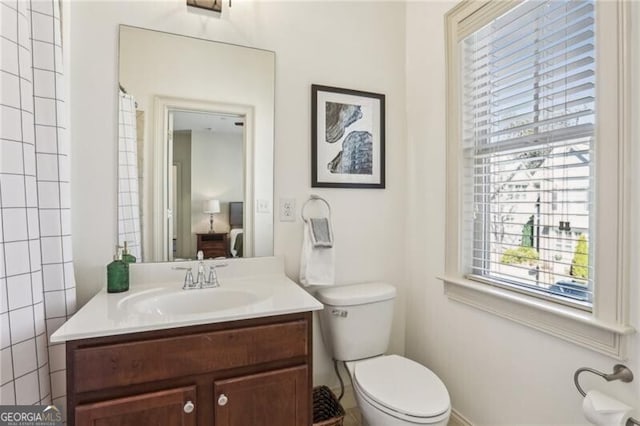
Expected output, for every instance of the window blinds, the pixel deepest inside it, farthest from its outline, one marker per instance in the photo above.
(528, 104)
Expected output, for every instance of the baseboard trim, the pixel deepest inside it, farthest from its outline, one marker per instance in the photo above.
(458, 419)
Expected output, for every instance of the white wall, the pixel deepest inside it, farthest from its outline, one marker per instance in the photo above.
(497, 371)
(357, 45)
(216, 172)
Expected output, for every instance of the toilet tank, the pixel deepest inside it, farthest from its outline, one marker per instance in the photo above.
(356, 320)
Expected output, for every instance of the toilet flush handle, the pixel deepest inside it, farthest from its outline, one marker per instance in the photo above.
(339, 313)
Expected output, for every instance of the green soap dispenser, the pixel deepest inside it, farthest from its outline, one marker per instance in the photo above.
(117, 275)
(126, 256)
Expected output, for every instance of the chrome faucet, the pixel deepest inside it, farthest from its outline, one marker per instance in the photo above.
(202, 281)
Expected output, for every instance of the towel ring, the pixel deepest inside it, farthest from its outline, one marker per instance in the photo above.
(314, 197)
(620, 372)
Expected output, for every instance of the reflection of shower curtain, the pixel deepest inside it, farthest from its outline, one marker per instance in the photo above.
(36, 268)
(128, 193)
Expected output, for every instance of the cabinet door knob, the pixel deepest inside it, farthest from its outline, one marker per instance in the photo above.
(222, 400)
(188, 407)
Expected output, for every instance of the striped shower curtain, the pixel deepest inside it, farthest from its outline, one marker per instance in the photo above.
(128, 198)
(37, 287)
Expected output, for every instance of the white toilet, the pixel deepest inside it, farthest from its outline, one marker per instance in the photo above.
(390, 390)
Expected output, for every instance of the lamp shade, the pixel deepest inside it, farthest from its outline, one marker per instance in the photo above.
(211, 206)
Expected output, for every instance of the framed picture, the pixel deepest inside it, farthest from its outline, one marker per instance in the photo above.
(214, 5)
(347, 138)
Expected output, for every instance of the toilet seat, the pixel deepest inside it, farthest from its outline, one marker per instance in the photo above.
(402, 388)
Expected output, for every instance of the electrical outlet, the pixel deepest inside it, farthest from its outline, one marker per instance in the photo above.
(287, 209)
(263, 206)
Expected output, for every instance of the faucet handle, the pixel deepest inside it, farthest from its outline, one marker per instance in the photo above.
(188, 278)
(213, 277)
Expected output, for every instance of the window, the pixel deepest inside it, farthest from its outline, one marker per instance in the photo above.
(535, 165)
(528, 109)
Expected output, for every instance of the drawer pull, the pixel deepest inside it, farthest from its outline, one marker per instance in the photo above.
(189, 407)
(222, 400)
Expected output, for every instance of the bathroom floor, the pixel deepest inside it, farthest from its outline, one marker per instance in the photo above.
(352, 418)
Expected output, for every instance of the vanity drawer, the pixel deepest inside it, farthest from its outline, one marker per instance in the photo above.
(108, 366)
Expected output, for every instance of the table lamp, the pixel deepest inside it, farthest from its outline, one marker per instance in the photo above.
(211, 207)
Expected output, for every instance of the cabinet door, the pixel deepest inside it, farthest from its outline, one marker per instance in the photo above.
(173, 407)
(279, 397)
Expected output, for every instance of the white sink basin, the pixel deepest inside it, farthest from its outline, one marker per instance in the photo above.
(189, 302)
(250, 288)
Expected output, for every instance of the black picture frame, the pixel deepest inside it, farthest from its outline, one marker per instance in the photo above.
(347, 138)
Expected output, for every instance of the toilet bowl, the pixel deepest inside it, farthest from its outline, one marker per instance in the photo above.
(395, 391)
(390, 390)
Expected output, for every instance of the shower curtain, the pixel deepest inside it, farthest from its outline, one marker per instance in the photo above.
(128, 199)
(37, 288)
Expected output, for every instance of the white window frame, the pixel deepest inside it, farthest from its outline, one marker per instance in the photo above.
(606, 327)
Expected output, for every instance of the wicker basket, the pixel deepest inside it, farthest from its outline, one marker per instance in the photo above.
(327, 410)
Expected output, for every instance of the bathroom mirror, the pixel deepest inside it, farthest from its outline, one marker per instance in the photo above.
(195, 147)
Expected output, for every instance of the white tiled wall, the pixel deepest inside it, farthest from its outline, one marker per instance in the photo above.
(37, 289)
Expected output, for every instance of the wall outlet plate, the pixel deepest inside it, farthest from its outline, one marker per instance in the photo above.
(287, 209)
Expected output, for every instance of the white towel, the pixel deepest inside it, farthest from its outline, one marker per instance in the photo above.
(317, 264)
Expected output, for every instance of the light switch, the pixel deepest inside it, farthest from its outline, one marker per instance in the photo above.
(263, 206)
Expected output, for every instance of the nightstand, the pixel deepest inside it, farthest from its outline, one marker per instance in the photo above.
(214, 244)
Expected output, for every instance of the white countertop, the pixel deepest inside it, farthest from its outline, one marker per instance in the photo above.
(108, 314)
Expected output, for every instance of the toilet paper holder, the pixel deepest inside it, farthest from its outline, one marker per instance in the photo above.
(620, 372)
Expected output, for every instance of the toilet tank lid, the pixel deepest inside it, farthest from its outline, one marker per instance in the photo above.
(356, 294)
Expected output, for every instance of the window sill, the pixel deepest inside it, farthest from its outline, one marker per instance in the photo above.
(564, 322)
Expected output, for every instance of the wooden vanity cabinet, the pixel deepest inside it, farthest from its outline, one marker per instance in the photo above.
(240, 373)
